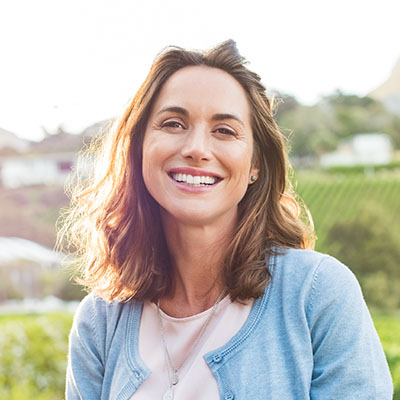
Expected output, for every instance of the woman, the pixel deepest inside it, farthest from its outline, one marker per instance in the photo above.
(202, 284)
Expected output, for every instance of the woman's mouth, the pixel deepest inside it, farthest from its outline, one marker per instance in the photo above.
(194, 180)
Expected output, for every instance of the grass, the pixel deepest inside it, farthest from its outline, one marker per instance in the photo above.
(388, 328)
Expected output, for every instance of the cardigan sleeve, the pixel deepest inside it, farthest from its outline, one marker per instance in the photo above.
(85, 358)
(349, 362)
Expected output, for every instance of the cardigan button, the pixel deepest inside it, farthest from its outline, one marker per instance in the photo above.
(229, 396)
(138, 375)
(217, 358)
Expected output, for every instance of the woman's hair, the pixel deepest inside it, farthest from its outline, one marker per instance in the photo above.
(113, 226)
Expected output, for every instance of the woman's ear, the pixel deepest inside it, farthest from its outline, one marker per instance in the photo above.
(253, 175)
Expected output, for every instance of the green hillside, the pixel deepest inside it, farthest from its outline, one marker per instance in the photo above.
(357, 220)
(346, 197)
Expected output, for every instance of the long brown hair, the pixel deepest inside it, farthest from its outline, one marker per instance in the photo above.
(113, 226)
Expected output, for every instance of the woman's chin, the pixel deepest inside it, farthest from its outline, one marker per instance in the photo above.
(197, 216)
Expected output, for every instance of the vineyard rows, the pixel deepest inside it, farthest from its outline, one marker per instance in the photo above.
(333, 198)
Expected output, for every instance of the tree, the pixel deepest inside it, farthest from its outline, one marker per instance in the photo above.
(308, 129)
(370, 248)
(356, 114)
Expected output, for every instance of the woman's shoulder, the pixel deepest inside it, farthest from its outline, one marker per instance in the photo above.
(317, 300)
(303, 258)
(313, 275)
(92, 305)
(316, 291)
(96, 316)
(309, 262)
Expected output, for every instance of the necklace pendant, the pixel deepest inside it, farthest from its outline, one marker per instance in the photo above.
(168, 395)
(175, 378)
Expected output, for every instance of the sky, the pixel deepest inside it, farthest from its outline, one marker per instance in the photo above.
(72, 63)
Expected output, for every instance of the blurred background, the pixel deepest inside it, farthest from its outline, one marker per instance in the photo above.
(67, 68)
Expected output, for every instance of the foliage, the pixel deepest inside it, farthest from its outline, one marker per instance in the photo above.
(33, 355)
(366, 243)
(388, 328)
(381, 291)
(308, 129)
(355, 114)
(315, 129)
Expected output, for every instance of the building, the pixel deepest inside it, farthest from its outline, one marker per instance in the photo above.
(36, 169)
(361, 149)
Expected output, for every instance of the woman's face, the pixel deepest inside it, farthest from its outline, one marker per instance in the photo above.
(198, 146)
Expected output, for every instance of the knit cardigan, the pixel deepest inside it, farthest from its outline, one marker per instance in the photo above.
(310, 336)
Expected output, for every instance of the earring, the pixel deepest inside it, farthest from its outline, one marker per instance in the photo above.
(253, 178)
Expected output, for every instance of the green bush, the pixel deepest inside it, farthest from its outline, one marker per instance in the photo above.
(33, 356)
(388, 328)
(381, 291)
(371, 250)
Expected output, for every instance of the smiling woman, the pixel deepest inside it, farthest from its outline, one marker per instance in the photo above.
(190, 239)
(208, 137)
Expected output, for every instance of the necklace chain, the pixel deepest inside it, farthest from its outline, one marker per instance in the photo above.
(173, 373)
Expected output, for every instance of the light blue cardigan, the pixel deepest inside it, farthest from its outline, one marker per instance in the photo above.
(309, 337)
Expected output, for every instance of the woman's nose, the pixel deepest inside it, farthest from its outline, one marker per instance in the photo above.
(196, 145)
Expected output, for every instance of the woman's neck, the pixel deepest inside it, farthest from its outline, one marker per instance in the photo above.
(197, 254)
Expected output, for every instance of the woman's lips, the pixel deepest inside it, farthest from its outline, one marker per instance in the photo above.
(195, 180)
(194, 177)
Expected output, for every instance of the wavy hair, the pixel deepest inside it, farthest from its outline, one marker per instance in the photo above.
(113, 227)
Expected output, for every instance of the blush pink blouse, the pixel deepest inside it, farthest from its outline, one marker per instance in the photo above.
(195, 378)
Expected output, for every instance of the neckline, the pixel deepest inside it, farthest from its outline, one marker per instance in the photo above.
(221, 305)
(131, 343)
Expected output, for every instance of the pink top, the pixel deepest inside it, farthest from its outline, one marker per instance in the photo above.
(195, 378)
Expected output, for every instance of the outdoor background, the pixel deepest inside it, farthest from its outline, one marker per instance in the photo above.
(69, 67)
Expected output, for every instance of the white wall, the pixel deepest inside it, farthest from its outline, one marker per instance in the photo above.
(34, 170)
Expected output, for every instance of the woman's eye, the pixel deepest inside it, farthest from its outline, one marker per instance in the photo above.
(171, 124)
(226, 131)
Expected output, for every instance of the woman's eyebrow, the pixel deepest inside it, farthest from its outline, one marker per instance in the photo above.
(176, 109)
(215, 117)
(221, 117)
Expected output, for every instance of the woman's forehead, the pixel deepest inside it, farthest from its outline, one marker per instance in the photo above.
(204, 89)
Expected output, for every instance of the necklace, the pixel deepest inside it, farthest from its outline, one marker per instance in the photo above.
(173, 373)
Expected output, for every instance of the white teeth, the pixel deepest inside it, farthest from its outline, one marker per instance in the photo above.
(194, 180)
